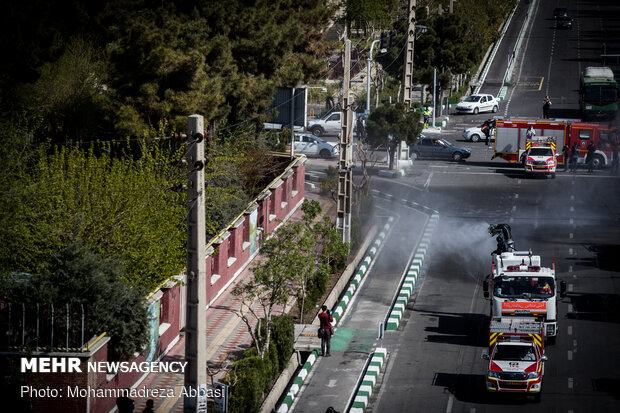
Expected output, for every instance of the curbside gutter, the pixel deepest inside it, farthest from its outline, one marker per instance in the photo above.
(299, 380)
(370, 376)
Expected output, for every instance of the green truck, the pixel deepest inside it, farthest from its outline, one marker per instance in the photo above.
(598, 93)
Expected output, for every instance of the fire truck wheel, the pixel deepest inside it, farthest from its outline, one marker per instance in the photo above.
(598, 162)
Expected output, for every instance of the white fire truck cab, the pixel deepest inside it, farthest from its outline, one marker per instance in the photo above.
(521, 287)
(516, 356)
(539, 156)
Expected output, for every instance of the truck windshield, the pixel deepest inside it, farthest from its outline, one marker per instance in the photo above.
(514, 352)
(540, 152)
(600, 95)
(523, 287)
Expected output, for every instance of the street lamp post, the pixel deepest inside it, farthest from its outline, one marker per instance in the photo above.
(368, 77)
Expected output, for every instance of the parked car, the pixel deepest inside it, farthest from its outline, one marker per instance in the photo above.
(437, 148)
(478, 103)
(476, 134)
(310, 145)
(328, 124)
(564, 22)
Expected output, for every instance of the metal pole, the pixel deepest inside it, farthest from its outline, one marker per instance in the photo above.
(434, 94)
(196, 319)
(368, 76)
(408, 62)
(292, 122)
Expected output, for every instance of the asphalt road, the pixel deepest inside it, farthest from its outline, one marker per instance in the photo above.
(434, 363)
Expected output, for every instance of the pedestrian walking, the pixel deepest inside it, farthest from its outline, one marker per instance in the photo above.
(590, 157)
(325, 330)
(546, 106)
(574, 157)
(614, 161)
(566, 156)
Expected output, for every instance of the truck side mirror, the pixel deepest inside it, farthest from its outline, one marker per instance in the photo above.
(544, 358)
(485, 288)
(486, 356)
(562, 288)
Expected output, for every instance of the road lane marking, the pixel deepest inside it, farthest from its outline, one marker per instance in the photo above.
(516, 196)
(570, 251)
(570, 268)
(570, 382)
(428, 180)
(570, 235)
(569, 330)
(570, 288)
(541, 82)
(572, 209)
(570, 308)
(450, 403)
(571, 221)
(570, 355)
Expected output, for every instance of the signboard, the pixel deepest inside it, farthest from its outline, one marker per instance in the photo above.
(201, 399)
(281, 107)
(220, 397)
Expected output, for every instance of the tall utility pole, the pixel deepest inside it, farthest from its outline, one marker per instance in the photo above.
(196, 315)
(372, 45)
(408, 66)
(345, 172)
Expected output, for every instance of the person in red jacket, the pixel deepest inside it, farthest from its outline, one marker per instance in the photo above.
(326, 319)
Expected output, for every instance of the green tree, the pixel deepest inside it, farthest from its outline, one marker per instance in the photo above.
(76, 275)
(389, 124)
(284, 257)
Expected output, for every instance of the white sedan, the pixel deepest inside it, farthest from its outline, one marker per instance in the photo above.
(478, 103)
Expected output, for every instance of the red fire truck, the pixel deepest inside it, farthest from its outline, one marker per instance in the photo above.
(510, 138)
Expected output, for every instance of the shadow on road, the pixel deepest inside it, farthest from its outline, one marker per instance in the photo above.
(460, 329)
(594, 307)
(470, 388)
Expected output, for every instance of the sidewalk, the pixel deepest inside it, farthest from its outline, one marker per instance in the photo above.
(227, 336)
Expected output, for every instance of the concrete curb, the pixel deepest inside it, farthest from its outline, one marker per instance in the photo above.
(392, 174)
(299, 380)
(362, 396)
(342, 305)
(413, 275)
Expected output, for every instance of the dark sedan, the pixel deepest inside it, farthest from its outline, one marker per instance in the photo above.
(437, 148)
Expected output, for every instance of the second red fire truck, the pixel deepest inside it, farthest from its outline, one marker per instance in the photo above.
(510, 138)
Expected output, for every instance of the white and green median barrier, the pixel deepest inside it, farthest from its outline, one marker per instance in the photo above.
(299, 381)
(368, 382)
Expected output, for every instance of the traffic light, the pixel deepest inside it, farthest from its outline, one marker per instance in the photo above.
(430, 91)
(384, 41)
(392, 41)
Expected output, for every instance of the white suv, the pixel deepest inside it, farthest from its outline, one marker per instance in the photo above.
(328, 124)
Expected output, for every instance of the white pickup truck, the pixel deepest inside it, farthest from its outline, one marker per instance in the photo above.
(329, 124)
(478, 103)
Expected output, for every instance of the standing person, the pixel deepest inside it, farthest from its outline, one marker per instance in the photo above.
(149, 406)
(574, 157)
(427, 116)
(546, 106)
(486, 129)
(359, 128)
(530, 133)
(326, 319)
(566, 155)
(590, 157)
(614, 161)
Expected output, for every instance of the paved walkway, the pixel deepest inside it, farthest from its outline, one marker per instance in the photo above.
(227, 336)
